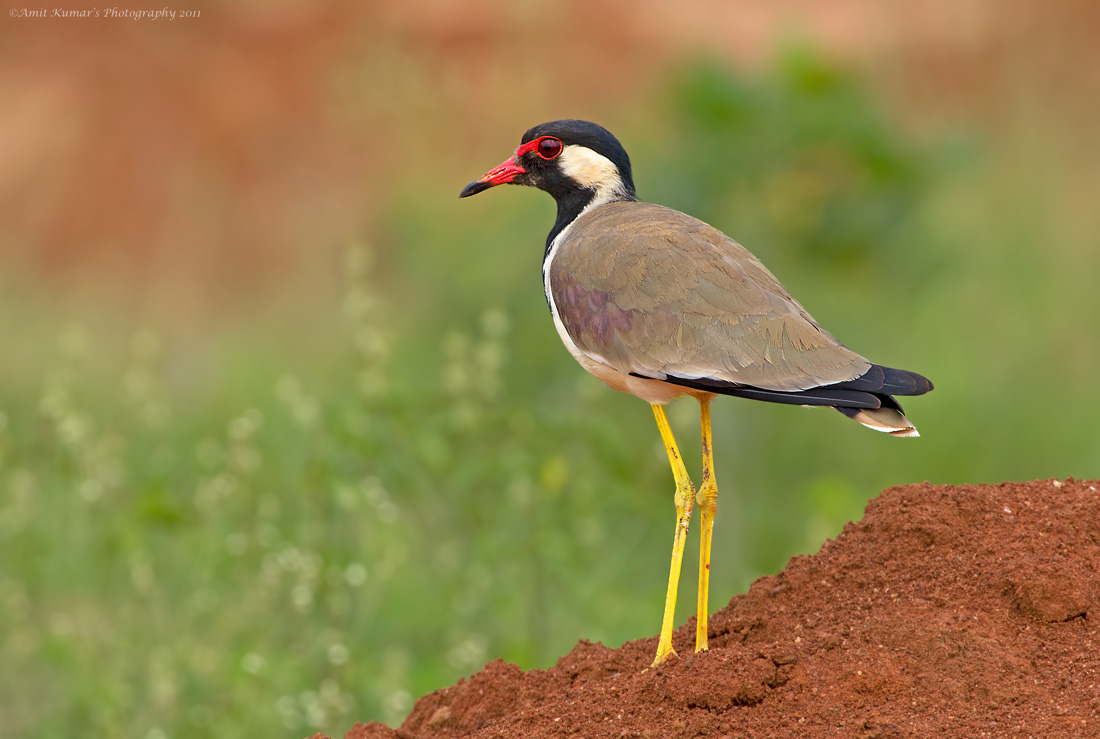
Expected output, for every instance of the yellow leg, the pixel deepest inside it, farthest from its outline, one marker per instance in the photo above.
(707, 499)
(685, 499)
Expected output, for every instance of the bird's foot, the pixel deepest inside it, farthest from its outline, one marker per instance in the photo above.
(664, 652)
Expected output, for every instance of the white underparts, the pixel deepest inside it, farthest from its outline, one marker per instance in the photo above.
(554, 246)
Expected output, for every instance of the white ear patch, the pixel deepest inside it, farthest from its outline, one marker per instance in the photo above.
(592, 170)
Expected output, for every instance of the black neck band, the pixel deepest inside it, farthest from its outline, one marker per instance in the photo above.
(570, 206)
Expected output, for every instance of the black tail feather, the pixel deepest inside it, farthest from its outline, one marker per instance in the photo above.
(888, 381)
(873, 389)
(885, 401)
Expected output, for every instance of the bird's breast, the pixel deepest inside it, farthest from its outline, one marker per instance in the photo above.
(652, 391)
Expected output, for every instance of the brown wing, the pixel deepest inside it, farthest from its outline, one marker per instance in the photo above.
(652, 291)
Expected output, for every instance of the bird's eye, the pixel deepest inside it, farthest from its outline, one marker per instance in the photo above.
(549, 147)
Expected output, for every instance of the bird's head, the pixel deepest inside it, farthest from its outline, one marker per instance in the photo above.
(569, 159)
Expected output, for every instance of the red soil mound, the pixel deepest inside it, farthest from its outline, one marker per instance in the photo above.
(947, 611)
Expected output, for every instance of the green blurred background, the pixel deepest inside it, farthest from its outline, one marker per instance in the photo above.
(287, 438)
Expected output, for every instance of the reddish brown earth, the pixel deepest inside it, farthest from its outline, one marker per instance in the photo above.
(967, 611)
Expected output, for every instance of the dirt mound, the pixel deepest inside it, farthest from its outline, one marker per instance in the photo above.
(947, 611)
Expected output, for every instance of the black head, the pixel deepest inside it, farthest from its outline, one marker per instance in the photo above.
(569, 159)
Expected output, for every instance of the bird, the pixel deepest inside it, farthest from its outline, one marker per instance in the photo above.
(659, 304)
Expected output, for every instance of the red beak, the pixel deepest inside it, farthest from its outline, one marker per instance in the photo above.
(502, 174)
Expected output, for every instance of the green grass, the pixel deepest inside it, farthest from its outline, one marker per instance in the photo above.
(283, 527)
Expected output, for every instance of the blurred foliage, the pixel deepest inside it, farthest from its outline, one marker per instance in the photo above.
(301, 553)
(802, 148)
(296, 525)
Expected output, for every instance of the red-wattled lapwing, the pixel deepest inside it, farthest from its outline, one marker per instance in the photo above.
(659, 304)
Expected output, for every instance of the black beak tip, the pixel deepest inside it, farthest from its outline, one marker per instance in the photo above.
(474, 188)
